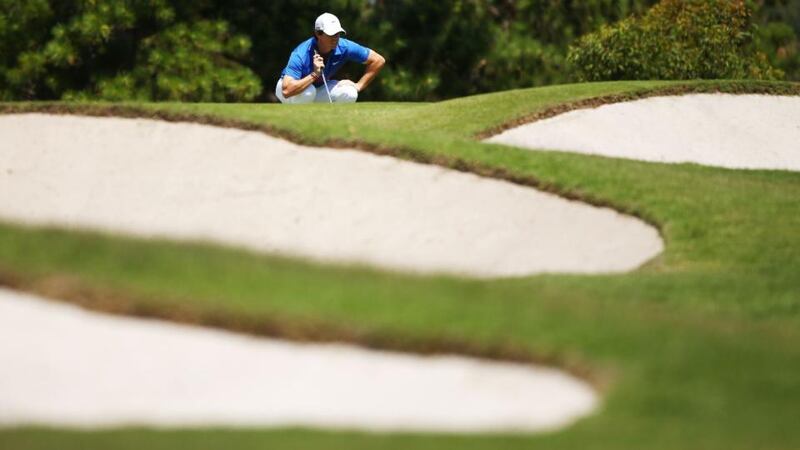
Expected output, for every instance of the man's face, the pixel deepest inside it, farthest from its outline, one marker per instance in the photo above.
(327, 43)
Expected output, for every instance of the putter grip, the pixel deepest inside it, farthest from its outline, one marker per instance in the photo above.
(316, 53)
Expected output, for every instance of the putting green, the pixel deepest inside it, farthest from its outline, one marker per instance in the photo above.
(698, 348)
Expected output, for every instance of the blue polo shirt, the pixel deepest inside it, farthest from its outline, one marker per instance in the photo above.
(301, 61)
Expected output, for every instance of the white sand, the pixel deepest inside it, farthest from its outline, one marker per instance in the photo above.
(734, 131)
(65, 366)
(188, 181)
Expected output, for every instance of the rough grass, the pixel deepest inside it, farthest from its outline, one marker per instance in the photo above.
(698, 349)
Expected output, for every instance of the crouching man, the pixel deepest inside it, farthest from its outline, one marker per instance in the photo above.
(323, 55)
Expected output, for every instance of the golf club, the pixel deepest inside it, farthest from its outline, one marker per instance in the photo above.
(324, 81)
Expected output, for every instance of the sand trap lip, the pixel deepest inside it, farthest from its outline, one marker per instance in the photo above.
(189, 181)
(732, 131)
(66, 366)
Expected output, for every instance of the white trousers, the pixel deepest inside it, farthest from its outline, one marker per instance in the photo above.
(339, 94)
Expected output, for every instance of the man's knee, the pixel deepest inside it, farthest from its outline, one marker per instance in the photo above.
(344, 93)
(307, 96)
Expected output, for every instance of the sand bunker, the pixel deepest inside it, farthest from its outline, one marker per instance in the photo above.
(189, 181)
(65, 366)
(734, 131)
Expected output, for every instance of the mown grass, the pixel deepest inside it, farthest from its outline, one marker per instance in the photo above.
(698, 349)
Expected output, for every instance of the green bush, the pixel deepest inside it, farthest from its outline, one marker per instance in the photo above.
(433, 48)
(779, 29)
(226, 50)
(183, 63)
(119, 50)
(676, 39)
(519, 60)
(453, 48)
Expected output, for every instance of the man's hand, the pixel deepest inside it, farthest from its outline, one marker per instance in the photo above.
(319, 64)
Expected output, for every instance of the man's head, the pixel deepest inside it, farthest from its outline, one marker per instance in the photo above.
(327, 30)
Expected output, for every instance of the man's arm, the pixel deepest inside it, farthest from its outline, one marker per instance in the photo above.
(292, 87)
(374, 64)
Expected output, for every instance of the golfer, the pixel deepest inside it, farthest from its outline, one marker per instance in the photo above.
(315, 61)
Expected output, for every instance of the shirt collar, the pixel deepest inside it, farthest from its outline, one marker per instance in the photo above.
(338, 51)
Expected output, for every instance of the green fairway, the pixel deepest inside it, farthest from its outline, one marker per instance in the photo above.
(698, 349)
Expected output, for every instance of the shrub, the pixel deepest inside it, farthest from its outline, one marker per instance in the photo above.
(117, 50)
(779, 30)
(517, 61)
(676, 39)
(184, 63)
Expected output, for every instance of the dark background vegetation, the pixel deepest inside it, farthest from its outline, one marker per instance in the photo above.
(233, 50)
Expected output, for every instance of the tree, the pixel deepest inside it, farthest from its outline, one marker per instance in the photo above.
(226, 50)
(779, 33)
(121, 49)
(676, 39)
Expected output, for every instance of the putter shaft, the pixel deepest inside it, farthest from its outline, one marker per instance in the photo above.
(324, 81)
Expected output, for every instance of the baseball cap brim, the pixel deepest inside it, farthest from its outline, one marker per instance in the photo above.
(333, 30)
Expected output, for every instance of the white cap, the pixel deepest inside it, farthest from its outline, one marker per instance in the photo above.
(328, 24)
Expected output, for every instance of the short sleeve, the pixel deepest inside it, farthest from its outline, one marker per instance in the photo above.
(357, 52)
(295, 66)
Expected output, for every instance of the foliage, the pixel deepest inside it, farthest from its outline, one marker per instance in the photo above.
(779, 34)
(227, 50)
(460, 47)
(530, 38)
(439, 56)
(435, 49)
(276, 27)
(520, 61)
(22, 26)
(183, 63)
(120, 49)
(676, 39)
(560, 22)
